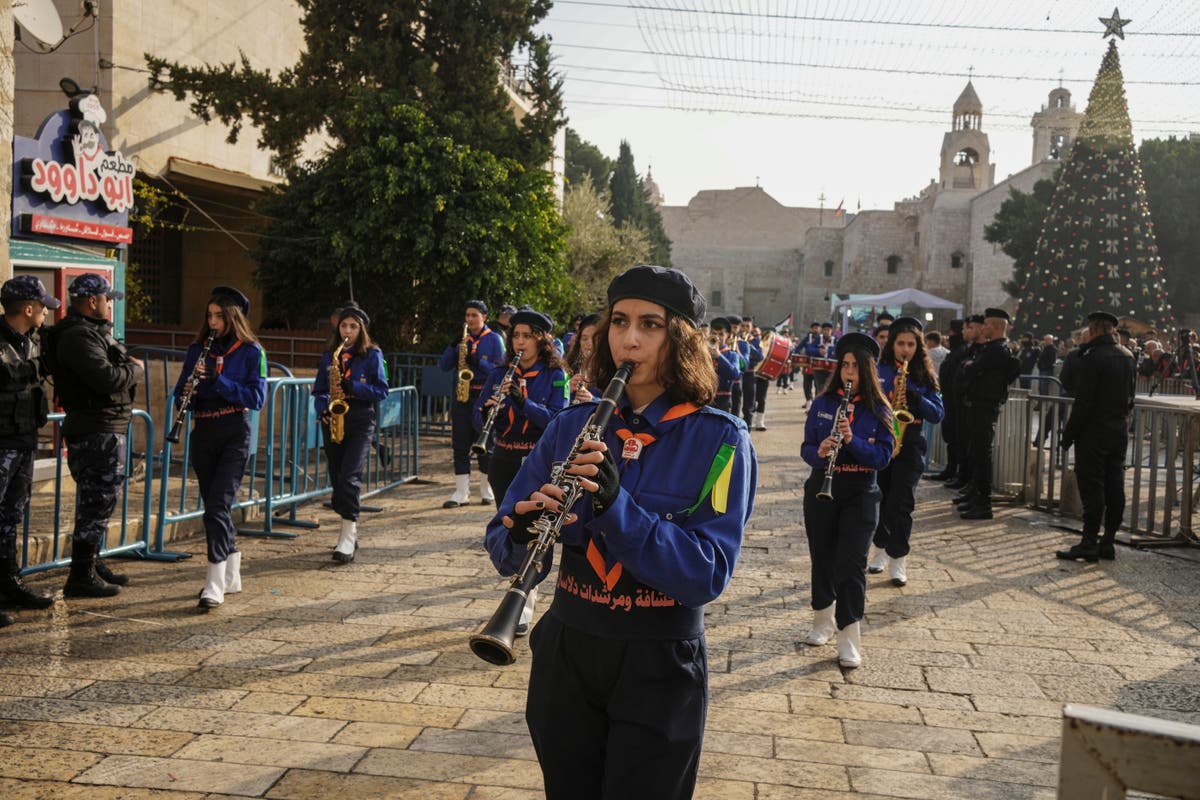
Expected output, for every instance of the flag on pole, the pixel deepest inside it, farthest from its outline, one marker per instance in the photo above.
(786, 321)
(837, 212)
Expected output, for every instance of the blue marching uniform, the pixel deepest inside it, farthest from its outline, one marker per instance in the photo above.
(839, 530)
(820, 348)
(365, 384)
(898, 481)
(519, 426)
(236, 384)
(619, 669)
(484, 353)
(728, 366)
(753, 352)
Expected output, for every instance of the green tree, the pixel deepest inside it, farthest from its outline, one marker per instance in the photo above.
(1016, 228)
(429, 191)
(631, 206)
(1172, 170)
(1097, 248)
(584, 159)
(596, 251)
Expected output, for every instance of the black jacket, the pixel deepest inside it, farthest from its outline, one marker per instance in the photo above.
(93, 377)
(23, 407)
(1047, 359)
(987, 376)
(1104, 390)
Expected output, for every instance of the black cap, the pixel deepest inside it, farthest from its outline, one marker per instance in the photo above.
(1102, 316)
(814, 324)
(478, 305)
(352, 309)
(884, 315)
(857, 340)
(975, 319)
(907, 323)
(997, 313)
(536, 320)
(719, 324)
(229, 295)
(668, 287)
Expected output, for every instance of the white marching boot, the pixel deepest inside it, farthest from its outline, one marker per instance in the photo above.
(760, 423)
(849, 648)
(878, 562)
(485, 491)
(213, 593)
(823, 626)
(347, 542)
(898, 572)
(462, 492)
(233, 572)
(527, 612)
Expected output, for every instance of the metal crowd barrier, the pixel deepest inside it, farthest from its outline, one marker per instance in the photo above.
(1151, 386)
(128, 542)
(435, 388)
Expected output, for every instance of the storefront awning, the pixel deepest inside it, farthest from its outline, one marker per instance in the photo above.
(39, 254)
(216, 175)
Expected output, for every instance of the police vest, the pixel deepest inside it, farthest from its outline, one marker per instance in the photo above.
(23, 407)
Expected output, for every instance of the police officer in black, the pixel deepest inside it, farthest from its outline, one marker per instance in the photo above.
(95, 380)
(946, 372)
(985, 381)
(972, 330)
(1099, 429)
(23, 410)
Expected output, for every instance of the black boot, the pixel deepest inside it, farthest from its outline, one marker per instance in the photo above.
(83, 580)
(980, 509)
(115, 578)
(1107, 549)
(1087, 550)
(14, 590)
(5, 620)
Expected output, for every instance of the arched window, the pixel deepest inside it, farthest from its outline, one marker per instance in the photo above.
(893, 264)
(828, 269)
(966, 157)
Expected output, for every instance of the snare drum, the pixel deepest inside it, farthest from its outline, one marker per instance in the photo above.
(823, 364)
(775, 359)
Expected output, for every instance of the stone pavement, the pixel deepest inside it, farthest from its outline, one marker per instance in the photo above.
(320, 680)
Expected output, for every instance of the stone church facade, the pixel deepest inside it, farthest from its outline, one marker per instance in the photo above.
(752, 255)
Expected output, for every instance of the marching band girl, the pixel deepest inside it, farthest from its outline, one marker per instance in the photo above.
(362, 383)
(898, 482)
(618, 685)
(728, 364)
(839, 529)
(578, 354)
(232, 382)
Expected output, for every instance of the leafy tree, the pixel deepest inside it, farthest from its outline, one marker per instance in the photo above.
(430, 190)
(1172, 170)
(1016, 228)
(584, 159)
(631, 206)
(596, 251)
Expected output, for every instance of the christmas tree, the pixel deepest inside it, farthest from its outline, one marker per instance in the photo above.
(1097, 249)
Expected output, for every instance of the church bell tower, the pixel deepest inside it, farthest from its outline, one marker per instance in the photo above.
(966, 154)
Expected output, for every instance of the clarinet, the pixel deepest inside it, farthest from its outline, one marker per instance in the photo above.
(494, 643)
(190, 389)
(826, 492)
(480, 446)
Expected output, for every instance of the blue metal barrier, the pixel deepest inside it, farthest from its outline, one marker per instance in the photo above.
(434, 386)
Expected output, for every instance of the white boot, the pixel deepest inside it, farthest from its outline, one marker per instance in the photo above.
(849, 647)
(527, 612)
(878, 562)
(233, 572)
(462, 492)
(823, 626)
(897, 571)
(347, 542)
(760, 421)
(485, 491)
(213, 593)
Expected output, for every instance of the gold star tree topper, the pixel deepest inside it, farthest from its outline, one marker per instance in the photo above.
(1114, 25)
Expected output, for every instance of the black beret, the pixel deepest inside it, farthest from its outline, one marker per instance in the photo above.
(536, 320)
(907, 323)
(975, 319)
(882, 329)
(231, 295)
(997, 313)
(478, 305)
(956, 325)
(1102, 316)
(352, 310)
(719, 324)
(668, 287)
(857, 341)
(882, 315)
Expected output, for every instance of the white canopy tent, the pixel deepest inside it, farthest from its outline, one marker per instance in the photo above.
(897, 299)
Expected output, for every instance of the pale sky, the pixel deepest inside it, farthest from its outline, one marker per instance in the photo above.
(849, 98)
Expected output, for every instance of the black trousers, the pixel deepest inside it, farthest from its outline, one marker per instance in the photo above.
(97, 464)
(749, 396)
(502, 471)
(819, 380)
(1100, 472)
(348, 457)
(735, 398)
(721, 402)
(809, 382)
(898, 486)
(220, 450)
(839, 537)
(761, 387)
(981, 433)
(616, 719)
(462, 436)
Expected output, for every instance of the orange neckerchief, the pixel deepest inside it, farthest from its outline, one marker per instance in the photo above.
(518, 374)
(220, 360)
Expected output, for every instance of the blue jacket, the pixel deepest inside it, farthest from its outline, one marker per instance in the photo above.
(366, 373)
(924, 402)
(237, 376)
(819, 348)
(727, 370)
(484, 353)
(751, 352)
(517, 428)
(669, 542)
(868, 451)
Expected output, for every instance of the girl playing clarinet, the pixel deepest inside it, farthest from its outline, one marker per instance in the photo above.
(578, 354)
(231, 382)
(898, 482)
(853, 416)
(362, 382)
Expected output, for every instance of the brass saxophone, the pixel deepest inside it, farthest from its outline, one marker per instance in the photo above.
(337, 398)
(462, 390)
(901, 416)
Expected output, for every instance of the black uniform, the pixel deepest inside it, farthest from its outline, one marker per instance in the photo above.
(950, 433)
(986, 378)
(1098, 427)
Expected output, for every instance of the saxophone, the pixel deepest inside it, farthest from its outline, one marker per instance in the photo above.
(901, 416)
(337, 398)
(462, 390)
